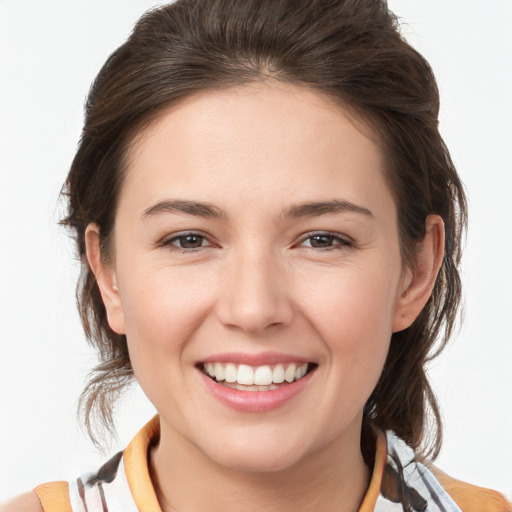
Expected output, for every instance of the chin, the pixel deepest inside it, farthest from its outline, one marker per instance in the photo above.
(254, 454)
(256, 461)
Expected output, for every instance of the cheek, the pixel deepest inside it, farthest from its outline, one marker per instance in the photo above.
(163, 309)
(353, 315)
(352, 305)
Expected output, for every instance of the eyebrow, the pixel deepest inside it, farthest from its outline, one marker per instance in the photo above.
(209, 210)
(324, 207)
(190, 207)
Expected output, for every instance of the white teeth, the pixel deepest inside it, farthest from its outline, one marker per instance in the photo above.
(300, 372)
(219, 371)
(263, 376)
(245, 375)
(268, 388)
(289, 374)
(230, 373)
(241, 387)
(278, 374)
(210, 369)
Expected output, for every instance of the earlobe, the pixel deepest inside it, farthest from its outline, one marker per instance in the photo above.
(105, 278)
(419, 281)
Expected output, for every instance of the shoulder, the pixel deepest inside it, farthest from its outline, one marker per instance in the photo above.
(28, 502)
(49, 497)
(471, 498)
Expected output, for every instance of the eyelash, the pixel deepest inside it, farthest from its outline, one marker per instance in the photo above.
(341, 242)
(168, 242)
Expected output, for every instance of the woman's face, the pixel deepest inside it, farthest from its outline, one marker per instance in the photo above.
(256, 236)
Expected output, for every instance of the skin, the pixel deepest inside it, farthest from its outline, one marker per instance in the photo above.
(256, 283)
(28, 502)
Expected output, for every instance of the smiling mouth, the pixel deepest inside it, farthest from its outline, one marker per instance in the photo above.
(256, 378)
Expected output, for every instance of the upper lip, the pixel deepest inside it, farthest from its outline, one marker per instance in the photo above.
(263, 358)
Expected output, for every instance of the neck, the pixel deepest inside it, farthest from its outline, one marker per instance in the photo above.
(185, 479)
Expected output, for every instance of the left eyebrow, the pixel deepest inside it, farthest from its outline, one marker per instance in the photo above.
(324, 207)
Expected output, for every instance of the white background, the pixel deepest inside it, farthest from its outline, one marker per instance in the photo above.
(50, 51)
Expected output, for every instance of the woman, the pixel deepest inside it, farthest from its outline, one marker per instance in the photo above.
(269, 224)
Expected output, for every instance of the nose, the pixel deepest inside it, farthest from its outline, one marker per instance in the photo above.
(255, 293)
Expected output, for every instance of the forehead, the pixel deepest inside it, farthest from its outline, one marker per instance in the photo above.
(251, 141)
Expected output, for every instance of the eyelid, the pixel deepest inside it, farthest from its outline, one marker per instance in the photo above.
(344, 240)
(167, 240)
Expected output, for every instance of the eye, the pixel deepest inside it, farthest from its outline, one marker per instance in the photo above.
(325, 241)
(186, 241)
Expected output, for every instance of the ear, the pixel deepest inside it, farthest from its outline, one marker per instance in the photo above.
(105, 278)
(419, 281)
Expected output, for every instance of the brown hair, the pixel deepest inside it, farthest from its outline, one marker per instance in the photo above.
(348, 50)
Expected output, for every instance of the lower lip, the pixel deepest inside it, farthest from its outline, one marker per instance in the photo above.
(255, 401)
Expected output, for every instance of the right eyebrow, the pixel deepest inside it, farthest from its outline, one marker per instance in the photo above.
(188, 207)
(325, 207)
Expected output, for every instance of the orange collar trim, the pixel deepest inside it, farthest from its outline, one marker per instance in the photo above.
(137, 469)
(372, 494)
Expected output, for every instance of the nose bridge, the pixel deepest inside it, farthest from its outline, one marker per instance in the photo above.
(255, 294)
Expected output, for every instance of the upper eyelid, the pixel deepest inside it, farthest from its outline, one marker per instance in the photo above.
(340, 236)
(166, 240)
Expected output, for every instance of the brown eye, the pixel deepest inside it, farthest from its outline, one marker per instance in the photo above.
(187, 241)
(322, 241)
(325, 241)
(191, 241)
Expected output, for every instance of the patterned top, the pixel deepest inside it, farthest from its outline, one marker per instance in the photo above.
(399, 483)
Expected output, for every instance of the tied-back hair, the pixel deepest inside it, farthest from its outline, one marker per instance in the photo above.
(350, 51)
